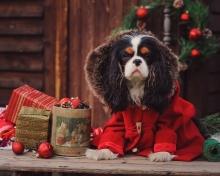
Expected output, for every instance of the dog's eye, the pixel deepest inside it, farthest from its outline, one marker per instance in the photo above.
(127, 55)
(147, 55)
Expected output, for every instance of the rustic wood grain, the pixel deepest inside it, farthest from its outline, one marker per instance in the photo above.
(21, 44)
(128, 165)
(214, 25)
(13, 80)
(75, 48)
(21, 26)
(5, 96)
(21, 62)
(61, 49)
(49, 46)
(213, 103)
(23, 8)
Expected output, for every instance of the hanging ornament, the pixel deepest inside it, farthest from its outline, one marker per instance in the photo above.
(18, 148)
(141, 24)
(178, 4)
(185, 17)
(194, 53)
(195, 34)
(45, 150)
(142, 12)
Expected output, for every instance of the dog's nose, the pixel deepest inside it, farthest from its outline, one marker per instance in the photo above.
(137, 62)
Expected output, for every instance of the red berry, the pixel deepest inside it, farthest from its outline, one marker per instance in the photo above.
(75, 102)
(45, 150)
(64, 100)
(18, 148)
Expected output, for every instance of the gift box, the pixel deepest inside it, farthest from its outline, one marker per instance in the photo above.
(32, 126)
(27, 96)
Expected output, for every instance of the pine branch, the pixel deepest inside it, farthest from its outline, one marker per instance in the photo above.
(211, 123)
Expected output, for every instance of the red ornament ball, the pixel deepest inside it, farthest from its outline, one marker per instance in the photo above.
(185, 17)
(194, 53)
(75, 102)
(45, 150)
(142, 13)
(18, 148)
(64, 100)
(195, 34)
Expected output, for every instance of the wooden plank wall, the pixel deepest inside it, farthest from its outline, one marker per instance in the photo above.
(26, 50)
(90, 21)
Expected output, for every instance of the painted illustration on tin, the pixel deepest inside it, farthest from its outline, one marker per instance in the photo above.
(72, 132)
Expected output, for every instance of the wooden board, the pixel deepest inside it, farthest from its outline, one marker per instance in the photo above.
(21, 62)
(23, 8)
(131, 165)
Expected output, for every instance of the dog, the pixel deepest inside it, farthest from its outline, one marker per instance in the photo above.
(135, 75)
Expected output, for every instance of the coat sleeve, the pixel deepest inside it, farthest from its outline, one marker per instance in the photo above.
(113, 135)
(169, 121)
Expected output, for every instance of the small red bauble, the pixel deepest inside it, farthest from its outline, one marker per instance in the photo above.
(75, 102)
(195, 34)
(64, 100)
(18, 148)
(45, 150)
(185, 17)
(194, 53)
(142, 13)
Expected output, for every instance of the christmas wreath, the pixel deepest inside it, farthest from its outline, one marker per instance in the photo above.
(196, 44)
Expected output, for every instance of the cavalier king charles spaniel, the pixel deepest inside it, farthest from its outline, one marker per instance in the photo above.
(135, 75)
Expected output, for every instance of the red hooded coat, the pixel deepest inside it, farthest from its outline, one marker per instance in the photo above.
(145, 131)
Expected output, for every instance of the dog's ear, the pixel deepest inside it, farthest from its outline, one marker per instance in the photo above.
(105, 78)
(116, 92)
(162, 78)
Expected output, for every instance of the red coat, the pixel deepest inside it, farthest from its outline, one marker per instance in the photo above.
(172, 131)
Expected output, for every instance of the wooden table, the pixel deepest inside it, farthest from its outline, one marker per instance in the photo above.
(131, 165)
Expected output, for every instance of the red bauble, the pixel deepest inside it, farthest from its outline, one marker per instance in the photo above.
(194, 53)
(45, 150)
(195, 34)
(75, 102)
(185, 17)
(18, 148)
(142, 13)
(64, 100)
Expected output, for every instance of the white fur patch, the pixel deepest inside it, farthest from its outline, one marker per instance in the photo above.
(135, 41)
(136, 88)
(103, 154)
(160, 157)
(130, 69)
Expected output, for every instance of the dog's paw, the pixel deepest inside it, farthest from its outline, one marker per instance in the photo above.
(103, 154)
(160, 157)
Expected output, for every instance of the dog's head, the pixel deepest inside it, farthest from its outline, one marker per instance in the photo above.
(130, 60)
